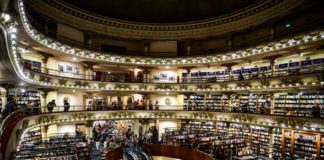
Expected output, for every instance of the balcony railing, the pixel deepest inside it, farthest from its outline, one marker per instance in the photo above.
(296, 71)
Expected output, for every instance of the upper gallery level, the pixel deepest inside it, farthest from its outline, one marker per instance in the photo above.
(58, 38)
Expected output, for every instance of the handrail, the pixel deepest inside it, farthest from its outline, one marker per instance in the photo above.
(301, 70)
(31, 111)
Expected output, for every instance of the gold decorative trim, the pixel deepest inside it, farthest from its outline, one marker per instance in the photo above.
(64, 13)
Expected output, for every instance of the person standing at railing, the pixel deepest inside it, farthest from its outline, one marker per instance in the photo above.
(30, 107)
(51, 105)
(240, 77)
(156, 105)
(66, 106)
(10, 107)
(89, 106)
(150, 105)
(316, 110)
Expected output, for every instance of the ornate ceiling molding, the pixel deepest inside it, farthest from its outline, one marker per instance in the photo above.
(65, 14)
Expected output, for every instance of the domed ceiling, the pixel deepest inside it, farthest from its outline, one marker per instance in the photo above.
(162, 11)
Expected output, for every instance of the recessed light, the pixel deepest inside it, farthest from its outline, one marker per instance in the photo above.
(74, 59)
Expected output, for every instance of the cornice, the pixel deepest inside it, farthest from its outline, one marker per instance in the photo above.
(66, 14)
(51, 43)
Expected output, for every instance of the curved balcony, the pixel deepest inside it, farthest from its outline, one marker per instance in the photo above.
(222, 83)
(224, 77)
(51, 43)
(38, 117)
(15, 60)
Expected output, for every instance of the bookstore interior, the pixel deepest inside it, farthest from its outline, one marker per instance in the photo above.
(162, 80)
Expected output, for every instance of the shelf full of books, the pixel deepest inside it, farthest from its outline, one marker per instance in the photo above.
(298, 104)
(206, 102)
(58, 146)
(302, 145)
(23, 98)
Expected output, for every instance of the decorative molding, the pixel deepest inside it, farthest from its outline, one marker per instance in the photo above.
(244, 117)
(265, 82)
(46, 119)
(223, 85)
(122, 114)
(202, 115)
(257, 14)
(163, 86)
(122, 86)
(243, 84)
(292, 80)
(62, 81)
(139, 61)
(162, 114)
(204, 86)
(287, 121)
(81, 115)
(81, 83)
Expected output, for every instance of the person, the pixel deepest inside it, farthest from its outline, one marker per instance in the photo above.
(316, 110)
(66, 105)
(240, 77)
(193, 105)
(150, 105)
(37, 108)
(156, 105)
(256, 75)
(245, 107)
(30, 106)
(189, 107)
(77, 132)
(263, 75)
(128, 133)
(250, 74)
(11, 105)
(262, 109)
(89, 105)
(51, 105)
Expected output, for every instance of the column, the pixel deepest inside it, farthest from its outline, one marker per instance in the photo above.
(88, 130)
(44, 133)
(187, 104)
(272, 30)
(271, 141)
(44, 101)
(188, 47)
(147, 47)
(88, 40)
(272, 60)
(89, 69)
(272, 96)
(229, 42)
(46, 26)
(136, 127)
(229, 68)
(146, 74)
(46, 56)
